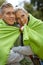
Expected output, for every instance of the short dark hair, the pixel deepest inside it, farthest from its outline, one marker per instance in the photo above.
(5, 5)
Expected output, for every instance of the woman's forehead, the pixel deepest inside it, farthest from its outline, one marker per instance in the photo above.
(20, 12)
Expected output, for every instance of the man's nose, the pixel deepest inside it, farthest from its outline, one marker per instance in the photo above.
(12, 15)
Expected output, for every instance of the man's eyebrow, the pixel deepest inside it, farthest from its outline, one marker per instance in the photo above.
(10, 12)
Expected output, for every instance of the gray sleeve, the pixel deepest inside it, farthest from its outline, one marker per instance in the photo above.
(14, 57)
(25, 50)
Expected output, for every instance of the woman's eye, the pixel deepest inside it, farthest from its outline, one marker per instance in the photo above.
(23, 15)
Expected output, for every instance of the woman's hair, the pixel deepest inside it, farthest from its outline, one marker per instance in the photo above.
(20, 8)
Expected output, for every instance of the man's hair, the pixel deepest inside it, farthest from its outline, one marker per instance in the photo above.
(5, 5)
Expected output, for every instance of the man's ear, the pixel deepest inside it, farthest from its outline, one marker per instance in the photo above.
(0, 15)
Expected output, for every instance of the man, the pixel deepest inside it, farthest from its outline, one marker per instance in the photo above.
(8, 18)
(8, 14)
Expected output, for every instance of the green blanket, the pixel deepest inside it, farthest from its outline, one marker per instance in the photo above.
(33, 36)
(8, 36)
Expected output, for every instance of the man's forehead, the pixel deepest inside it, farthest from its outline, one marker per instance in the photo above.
(9, 9)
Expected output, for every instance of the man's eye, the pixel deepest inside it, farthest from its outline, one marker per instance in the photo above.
(13, 12)
(8, 13)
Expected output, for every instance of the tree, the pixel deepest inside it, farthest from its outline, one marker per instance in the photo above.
(28, 7)
(39, 3)
(35, 12)
(1, 1)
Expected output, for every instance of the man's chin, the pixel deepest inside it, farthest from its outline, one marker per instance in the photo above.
(11, 24)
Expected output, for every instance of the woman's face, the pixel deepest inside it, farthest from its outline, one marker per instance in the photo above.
(22, 17)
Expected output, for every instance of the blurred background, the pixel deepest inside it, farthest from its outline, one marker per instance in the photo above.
(35, 7)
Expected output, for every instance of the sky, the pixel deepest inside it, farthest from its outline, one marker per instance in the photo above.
(16, 2)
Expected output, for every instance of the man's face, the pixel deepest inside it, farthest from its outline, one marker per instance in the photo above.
(9, 15)
(22, 17)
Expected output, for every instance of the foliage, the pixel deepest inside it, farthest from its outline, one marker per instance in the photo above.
(28, 7)
(1, 1)
(33, 10)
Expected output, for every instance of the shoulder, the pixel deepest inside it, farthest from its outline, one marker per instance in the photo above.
(2, 22)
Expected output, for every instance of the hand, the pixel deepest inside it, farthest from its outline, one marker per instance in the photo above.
(22, 28)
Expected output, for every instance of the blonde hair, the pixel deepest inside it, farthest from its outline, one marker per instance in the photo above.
(20, 8)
